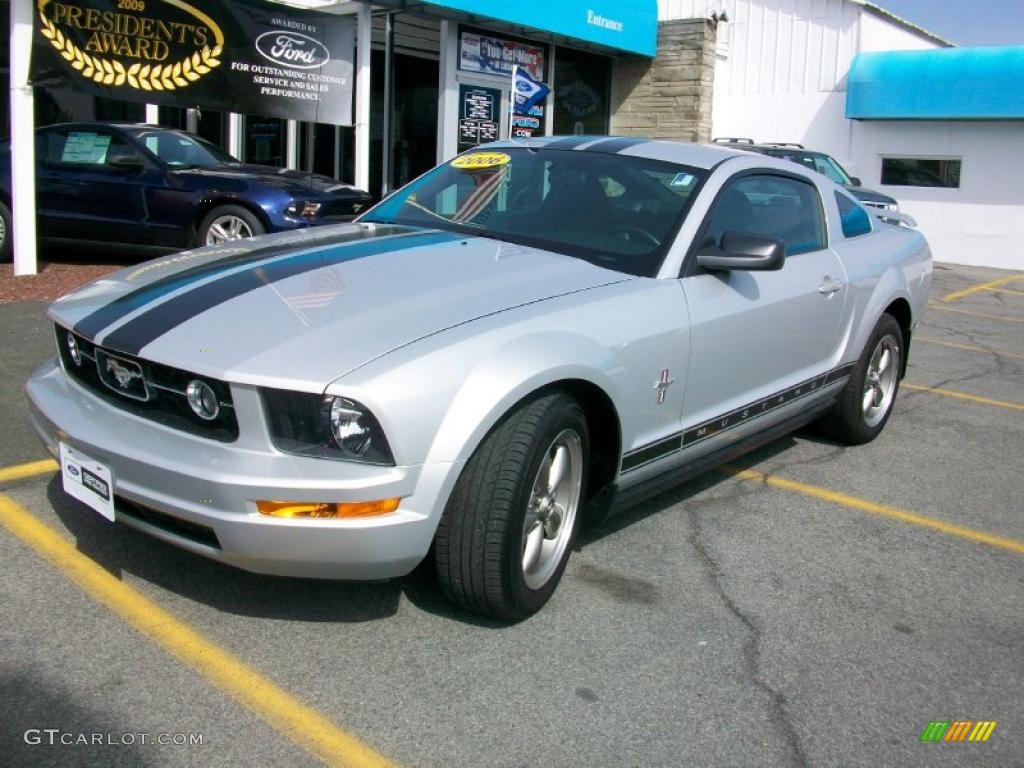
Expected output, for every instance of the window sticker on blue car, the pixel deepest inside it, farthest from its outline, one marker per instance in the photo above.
(682, 180)
(82, 147)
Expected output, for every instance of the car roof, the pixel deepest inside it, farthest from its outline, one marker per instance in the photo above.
(704, 156)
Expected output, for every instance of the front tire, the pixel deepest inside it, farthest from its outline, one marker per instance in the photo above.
(6, 234)
(229, 222)
(864, 405)
(506, 533)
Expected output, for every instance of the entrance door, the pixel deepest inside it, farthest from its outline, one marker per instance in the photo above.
(414, 118)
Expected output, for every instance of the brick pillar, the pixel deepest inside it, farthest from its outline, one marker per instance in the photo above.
(667, 97)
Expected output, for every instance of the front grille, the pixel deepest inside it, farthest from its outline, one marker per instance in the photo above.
(147, 389)
(200, 534)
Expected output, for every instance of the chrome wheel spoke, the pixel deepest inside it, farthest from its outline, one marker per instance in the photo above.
(557, 470)
(532, 547)
(883, 364)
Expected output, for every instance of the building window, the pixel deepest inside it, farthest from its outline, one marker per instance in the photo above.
(920, 172)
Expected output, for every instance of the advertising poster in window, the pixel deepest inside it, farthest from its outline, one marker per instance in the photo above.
(479, 115)
(242, 56)
(496, 56)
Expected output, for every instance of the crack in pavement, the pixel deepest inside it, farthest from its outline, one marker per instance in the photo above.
(777, 714)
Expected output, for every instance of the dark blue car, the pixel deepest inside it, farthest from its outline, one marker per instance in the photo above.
(150, 189)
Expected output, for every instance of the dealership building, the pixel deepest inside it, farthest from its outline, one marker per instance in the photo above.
(937, 127)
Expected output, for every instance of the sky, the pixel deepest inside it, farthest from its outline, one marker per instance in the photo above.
(965, 22)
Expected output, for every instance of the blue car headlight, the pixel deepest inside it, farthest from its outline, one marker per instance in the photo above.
(306, 209)
(324, 426)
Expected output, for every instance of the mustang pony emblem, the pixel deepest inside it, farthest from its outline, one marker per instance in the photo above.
(122, 374)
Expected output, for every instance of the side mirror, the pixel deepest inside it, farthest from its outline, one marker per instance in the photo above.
(855, 181)
(127, 161)
(744, 252)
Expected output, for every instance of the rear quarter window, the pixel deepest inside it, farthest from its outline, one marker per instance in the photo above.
(852, 216)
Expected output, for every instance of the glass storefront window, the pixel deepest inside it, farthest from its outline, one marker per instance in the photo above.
(582, 85)
(265, 140)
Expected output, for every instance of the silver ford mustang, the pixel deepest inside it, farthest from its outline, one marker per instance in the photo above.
(532, 333)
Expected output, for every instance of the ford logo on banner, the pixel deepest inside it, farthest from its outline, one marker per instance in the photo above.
(291, 49)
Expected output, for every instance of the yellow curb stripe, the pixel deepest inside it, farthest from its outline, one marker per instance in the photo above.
(299, 722)
(982, 315)
(955, 295)
(968, 347)
(964, 396)
(894, 513)
(32, 468)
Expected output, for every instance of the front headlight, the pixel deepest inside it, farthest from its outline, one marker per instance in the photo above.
(324, 426)
(303, 208)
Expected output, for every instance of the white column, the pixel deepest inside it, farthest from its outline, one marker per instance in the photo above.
(153, 114)
(448, 94)
(364, 32)
(23, 147)
(192, 120)
(291, 144)
(235, 135)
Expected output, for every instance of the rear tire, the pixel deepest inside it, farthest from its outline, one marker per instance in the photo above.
(229, 222)
(506, 533)
(864, 405)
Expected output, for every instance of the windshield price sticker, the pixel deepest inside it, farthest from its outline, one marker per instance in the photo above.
(480, 160)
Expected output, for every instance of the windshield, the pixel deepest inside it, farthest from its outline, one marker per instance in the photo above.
(616, 211)
(179, 150)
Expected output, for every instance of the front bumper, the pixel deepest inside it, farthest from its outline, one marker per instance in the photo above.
(200, 494)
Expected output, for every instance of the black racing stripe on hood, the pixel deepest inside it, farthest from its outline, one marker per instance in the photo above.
(92, 324)
(143, 329)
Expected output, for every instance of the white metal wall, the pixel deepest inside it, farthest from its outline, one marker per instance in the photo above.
(981, 222)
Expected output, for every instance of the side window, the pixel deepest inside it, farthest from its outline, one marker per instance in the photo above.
(770, 206)
(854, 219)
(84, 149)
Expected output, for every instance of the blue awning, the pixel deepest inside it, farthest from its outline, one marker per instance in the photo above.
(623, 25)
(937, 84)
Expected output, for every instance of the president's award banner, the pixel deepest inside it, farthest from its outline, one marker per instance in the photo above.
(243, 56)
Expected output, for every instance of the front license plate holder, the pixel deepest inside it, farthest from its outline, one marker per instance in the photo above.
(87, 480)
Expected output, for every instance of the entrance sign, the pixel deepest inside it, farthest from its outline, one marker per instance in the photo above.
(244, 56)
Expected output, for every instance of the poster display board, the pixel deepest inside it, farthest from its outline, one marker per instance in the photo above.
(243, 56)
(479, 115)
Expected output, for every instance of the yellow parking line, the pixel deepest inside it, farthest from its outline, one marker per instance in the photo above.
(894, 513)
(968, 347)
(1004, 318)
(1005, 290)
(981, 287)
(299, 722)
(964, 396)
(21, 471)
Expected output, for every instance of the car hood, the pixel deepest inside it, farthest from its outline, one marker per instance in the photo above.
(292, 181)
(870, 195)
(299, 309)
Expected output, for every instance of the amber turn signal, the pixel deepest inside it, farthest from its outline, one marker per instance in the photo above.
(325, 509)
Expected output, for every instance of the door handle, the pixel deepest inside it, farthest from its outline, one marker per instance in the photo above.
(829, 286)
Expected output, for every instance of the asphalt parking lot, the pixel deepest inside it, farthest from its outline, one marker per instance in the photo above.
(813, 605)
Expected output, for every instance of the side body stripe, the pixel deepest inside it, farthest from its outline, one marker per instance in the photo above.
(699, 432)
